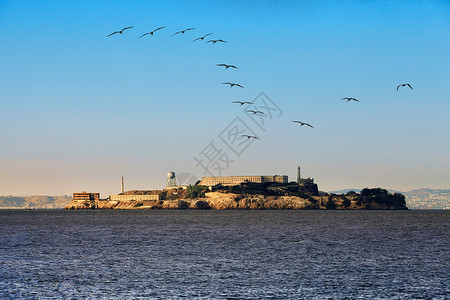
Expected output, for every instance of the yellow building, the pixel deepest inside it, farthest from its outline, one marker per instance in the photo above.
(86, 198)
(236, 180)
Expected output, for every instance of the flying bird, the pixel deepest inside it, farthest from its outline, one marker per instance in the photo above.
(120, 31)
(303, 123)
(202, 37)
(182, 31)
(254, 111)
(227, 66)
(404, 84)
(242, 102)
(152, 32)
(350, 99)
(215, 41)
(233, 84)
(250, 136)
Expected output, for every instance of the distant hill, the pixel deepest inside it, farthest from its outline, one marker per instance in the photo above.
(344, 191)
(46, 202)
(428, 198)
(422, 198)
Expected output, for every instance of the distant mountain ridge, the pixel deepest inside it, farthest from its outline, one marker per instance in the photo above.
(422, 198)
(36, 202)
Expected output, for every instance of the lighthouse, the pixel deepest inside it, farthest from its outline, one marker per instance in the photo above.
(298, 175)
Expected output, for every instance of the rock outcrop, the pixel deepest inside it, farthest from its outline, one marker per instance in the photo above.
(368, 199)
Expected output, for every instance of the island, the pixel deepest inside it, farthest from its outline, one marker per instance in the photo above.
(246, 195)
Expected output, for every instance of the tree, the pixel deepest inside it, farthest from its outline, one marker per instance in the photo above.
(346, 202)
(330, 204)
(196, 191)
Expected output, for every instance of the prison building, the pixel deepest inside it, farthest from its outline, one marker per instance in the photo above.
(86, 197)
(236, 180)
(142, 192)
(133, 197)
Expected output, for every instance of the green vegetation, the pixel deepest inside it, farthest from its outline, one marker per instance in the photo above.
(383, 197)
(196, 191)
(270, 189)
(346, 203)
(330, 203)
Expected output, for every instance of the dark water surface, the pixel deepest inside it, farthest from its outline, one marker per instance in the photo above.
(225, 254)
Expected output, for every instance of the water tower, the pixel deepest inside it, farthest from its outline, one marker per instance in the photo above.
(171, 180)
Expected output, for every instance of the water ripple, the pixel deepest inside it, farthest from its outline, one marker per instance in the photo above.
(224, 254)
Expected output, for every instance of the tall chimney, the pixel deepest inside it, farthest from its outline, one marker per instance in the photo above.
(122, 185)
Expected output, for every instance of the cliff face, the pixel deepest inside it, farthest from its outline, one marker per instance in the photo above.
(222, 201)
(218, 201)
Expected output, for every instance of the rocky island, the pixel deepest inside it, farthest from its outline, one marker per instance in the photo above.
(249, 195)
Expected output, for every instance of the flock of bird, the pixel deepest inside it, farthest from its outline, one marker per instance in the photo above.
(231, 84)
(178, 32)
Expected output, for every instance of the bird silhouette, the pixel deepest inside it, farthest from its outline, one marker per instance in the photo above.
(202, 37)
(404, 84)
(227, 66)
(254, 111)
(152, 32)
(182, 31)
(120, 31)
(303, 123)
(215, 41)
(250, 136)
(233, 84)
(242, 102)
(350, 99)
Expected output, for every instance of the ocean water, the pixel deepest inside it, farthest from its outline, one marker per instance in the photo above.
(225, 254)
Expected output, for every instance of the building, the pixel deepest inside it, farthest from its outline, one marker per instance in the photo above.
(136, 195)
(86, 198)
(236, 180)
(133, 197)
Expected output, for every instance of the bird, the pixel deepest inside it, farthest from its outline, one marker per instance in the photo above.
(250, 136)
(227, 66)
(254, 111)
(350, 99)
(233, 84)
(182, 31)
(120, 31)
(215, 41)
(404, 84)
(202, 37)
(303, 123)
(242, 102)
(152, 32)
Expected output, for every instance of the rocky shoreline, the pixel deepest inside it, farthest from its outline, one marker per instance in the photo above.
(228, 201)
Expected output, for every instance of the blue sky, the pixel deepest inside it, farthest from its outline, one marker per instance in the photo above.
(80, 110)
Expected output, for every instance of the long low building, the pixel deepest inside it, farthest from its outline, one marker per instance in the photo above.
(133, 197)
(236, 180)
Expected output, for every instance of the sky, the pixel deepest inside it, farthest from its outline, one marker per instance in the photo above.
(80, 109)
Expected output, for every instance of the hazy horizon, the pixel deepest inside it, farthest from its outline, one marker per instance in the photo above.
(80, 109)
